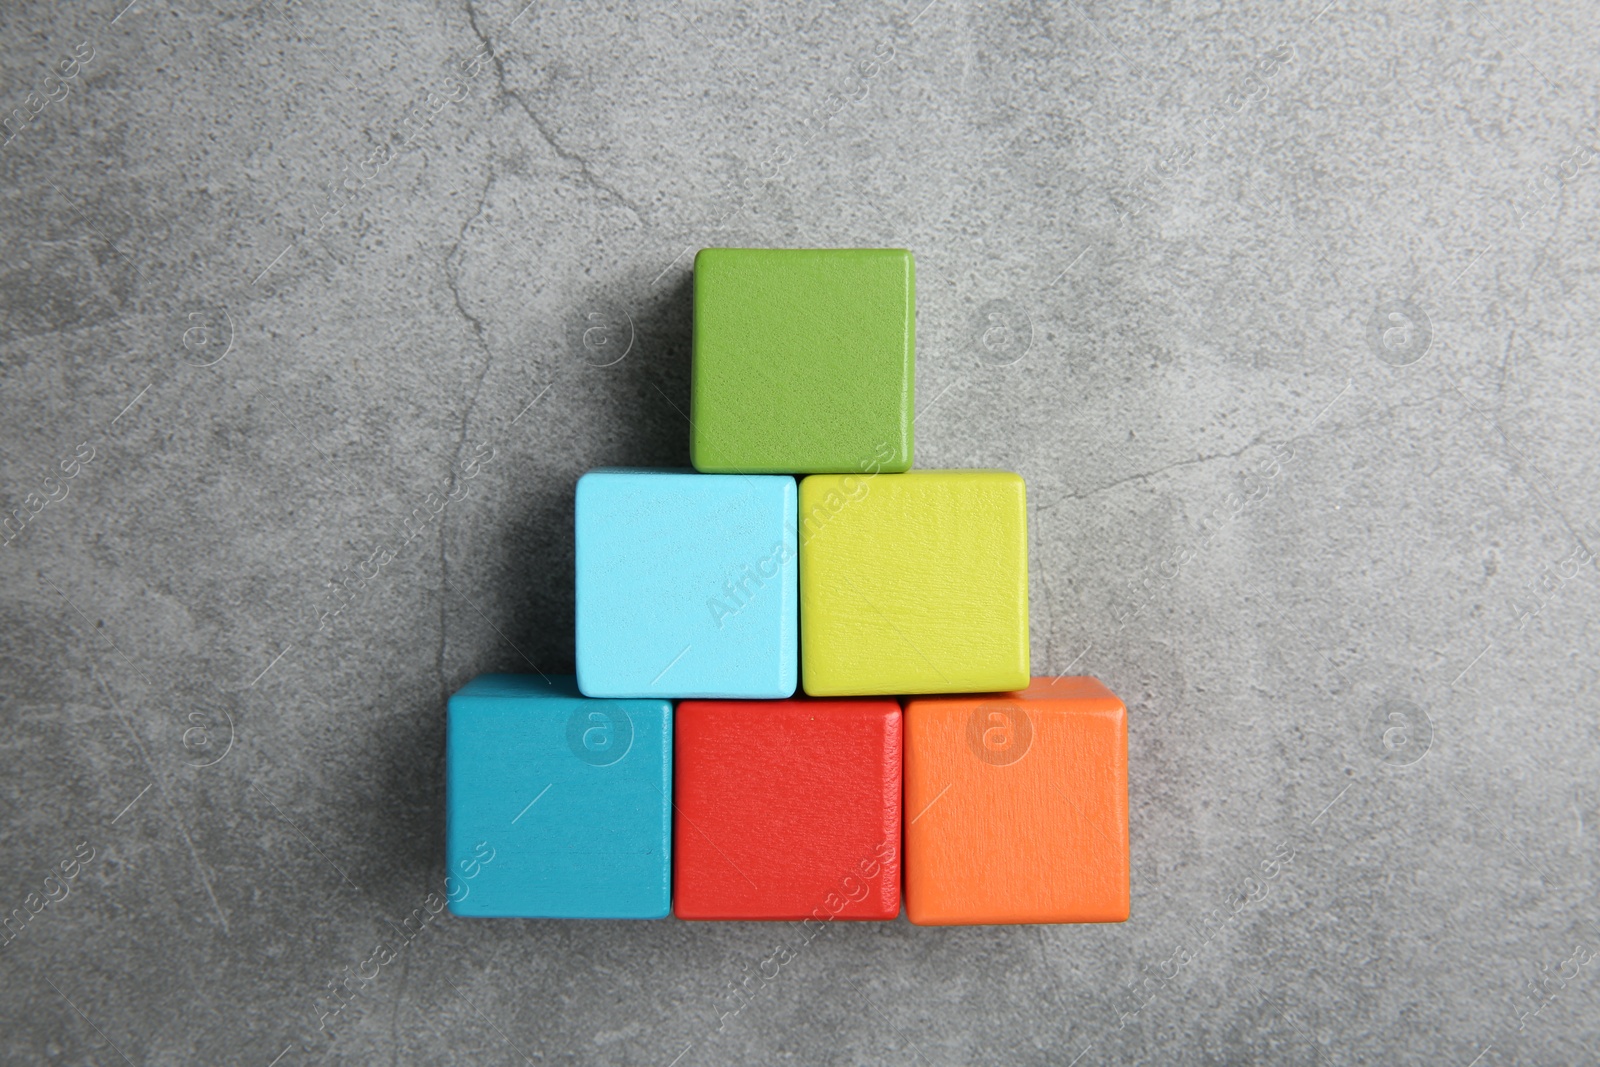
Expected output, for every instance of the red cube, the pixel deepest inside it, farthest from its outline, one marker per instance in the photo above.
(786, 809)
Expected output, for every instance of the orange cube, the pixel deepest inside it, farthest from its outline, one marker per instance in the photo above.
(1017, 806)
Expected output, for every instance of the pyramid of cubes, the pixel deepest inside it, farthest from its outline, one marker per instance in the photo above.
(682, 772)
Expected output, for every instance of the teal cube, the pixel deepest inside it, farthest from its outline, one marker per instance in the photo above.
(556, 805)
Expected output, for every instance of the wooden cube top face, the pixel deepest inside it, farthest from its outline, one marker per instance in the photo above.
(787, 810)
(556, 806)
(913, 583)
(685, 585)
(1017, 806)
(802, 360)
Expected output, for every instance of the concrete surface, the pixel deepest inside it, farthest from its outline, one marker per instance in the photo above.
(1285, 311)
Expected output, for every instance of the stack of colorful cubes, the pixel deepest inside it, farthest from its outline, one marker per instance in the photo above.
(679, 771)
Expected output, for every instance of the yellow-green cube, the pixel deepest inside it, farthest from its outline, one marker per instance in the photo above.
(913, 583)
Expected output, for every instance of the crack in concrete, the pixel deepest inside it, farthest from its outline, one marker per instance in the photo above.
(585, 171)
(451, 277)
(1505, 369)
(1388, 413)
(453, 281)
(1383, 415)
(1520, 465)
(1151, 474)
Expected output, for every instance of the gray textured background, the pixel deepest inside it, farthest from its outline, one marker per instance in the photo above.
(1341, 575)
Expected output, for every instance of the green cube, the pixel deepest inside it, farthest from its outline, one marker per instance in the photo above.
(802, 360)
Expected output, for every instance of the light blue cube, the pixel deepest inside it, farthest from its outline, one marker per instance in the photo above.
(687, 584)
(556, 806)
